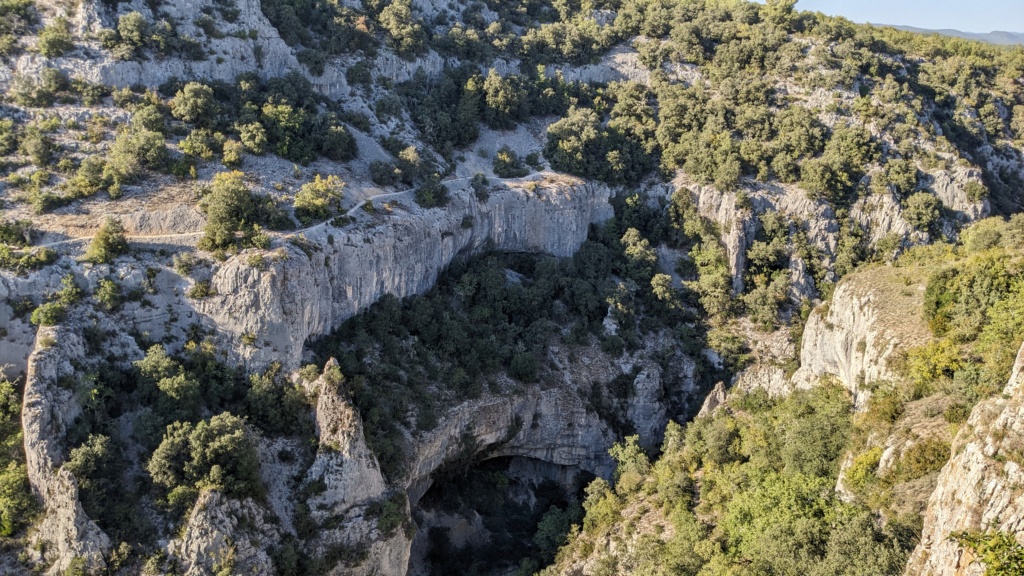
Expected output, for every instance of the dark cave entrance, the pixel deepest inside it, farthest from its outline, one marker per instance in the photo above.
(503, 515)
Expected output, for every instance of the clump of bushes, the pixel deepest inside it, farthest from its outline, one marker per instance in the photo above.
(214, 454)
(432, 193)
(319, 199)
(55, 39)
(508, 164)
(108, 243)
(234, 214)
(54, 311)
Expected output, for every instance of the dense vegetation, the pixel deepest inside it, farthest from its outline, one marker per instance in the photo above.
(764, 471)
(192, 420)
(749, 490)
(738, 92)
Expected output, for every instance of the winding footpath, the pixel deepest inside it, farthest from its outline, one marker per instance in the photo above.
(350, 213)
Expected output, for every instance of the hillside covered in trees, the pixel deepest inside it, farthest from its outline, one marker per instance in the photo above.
(535, 287)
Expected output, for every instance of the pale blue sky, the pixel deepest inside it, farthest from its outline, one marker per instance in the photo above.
(964, 15)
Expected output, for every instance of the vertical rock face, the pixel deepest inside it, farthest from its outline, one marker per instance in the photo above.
(980, 487)
(739, 224)
(224, 534)
(854, 336)
(348, 468)
(250, 44)
(344, 270)
(50, 406)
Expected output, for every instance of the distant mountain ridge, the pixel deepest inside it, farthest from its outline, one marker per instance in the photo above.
(995, 37)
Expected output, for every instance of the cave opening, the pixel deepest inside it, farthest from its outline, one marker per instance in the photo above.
(504, 515)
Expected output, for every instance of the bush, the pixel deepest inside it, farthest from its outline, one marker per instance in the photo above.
(229, 208)
(233, 151)
(132, 151)
(432, 194)
(108, 243)
(254, 137)
(39, 147)
(924, 457)
(319, 199)
(202, 143)
(921, 210)
(108, 294)
(389, 512)
(384, 173)
(334, 140)
(49, 314)
(55, 39)
(214, 454)
(195, 103)
(404, 33)
(976, 191)
(90, 178)
(234, 214)
(507, 164)
(26, 260)
(15, 232)
(16, 17)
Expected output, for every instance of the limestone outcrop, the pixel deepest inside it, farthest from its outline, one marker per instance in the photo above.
(51, 405)
(979, 488)
(224, 534)
(309, 287)
(870, 318)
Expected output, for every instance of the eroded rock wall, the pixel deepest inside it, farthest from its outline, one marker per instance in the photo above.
(302, 294)
(980, 487)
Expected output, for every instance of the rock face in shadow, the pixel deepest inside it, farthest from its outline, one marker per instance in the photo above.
(979, 488)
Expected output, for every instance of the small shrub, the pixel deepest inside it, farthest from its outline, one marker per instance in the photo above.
(319, 199)
(200, 290)
(184, 263)
(976, 191)
(507, 164)
(55, 39)
(432, 194)
(49, 314)
(232, 156)
(108, 294)
(194, 103)
(921, 210)
(956, 413)
(108, 243)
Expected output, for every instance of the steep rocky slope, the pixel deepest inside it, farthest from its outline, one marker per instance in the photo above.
(978, 489)
(804, 145)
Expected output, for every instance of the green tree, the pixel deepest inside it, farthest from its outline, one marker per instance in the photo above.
(216, 454)
(108, 243)
(318, 199)
(132, 151)
(404, 33)
(230, 209)
(195, 103)
(508, 164)
(55, 39)
(921, 210)
(505, 101)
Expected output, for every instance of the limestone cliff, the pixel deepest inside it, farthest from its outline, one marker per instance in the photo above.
(872, 315)
(51, 405)
(309, 288)
(979, 488)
